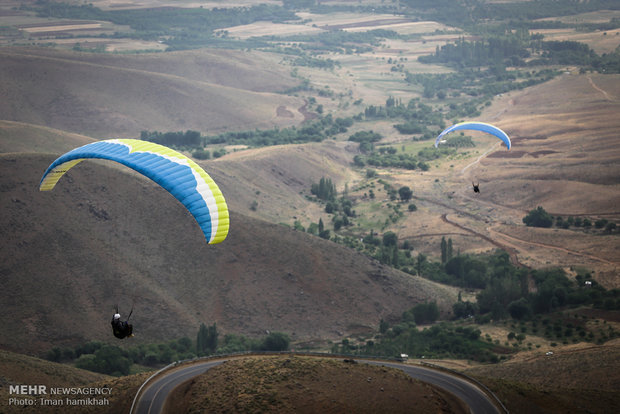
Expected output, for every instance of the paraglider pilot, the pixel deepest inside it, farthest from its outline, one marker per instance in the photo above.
(121, 329)
(476, 187)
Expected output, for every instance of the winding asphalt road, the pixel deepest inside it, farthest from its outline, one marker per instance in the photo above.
(153, 398)
(477, 401)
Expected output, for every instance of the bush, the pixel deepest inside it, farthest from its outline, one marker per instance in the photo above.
(464, 309)
(276, 341)
(201, 154)
(422, 313)
(538, 218)
(106, 360)
(519, 309)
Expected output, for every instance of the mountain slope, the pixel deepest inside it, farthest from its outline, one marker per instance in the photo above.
(119, 96)
(104, 236)
(21, 137)
(277, 180)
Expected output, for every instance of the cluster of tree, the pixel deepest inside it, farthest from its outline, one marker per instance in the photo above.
(585, 223)
(315, 131)
(366, 139)
(389, 157)
(208, 342)
(443, 340)
(504, 289)
(387, 160)
(420, 119)
(540, 9)
(317, 229)
(342, 212)
(539, 217)
(447, 251)
(481, 17)
(206, 339)
(274, 341)
(509, 50)
(386, 249)
(340, 207)
(113, 360)
(422, 313)
(314, 62)
(324, 190)
(515, 48)
(565, 326)
(466, 271)
(473, 82)
(506, 293)
(450, 12)
(187, 139)
(336, 41)
(576, 53)
(498, 23)
(198, 24)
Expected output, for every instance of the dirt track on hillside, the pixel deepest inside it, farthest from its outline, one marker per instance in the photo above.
(550, 246)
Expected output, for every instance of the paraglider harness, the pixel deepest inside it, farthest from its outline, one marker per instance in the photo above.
(121, 329)
(476, 187)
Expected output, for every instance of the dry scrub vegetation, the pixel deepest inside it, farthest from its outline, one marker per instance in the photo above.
(22, 369)
(285, 384)
(578, 378)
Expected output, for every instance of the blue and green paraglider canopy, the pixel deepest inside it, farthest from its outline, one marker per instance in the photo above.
(175, 172)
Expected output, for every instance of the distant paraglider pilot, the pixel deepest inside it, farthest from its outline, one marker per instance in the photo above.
(121, 329)
(476, 187)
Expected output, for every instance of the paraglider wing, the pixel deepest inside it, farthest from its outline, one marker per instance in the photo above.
(181, 176)
(477, 126)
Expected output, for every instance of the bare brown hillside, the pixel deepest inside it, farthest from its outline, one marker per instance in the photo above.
(580, 378)
(20, 369)
(23, 369)
(103, 236)
(565, 147)
(20, 137)
(117, 96)
(276, 181)
(565, 158)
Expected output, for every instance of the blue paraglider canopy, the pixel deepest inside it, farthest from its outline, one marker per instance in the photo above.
(476, 126)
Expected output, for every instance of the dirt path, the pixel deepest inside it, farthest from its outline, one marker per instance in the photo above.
(605, 94)
(510, 249)
(480, 158)
(550, 246)
(506, 242)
